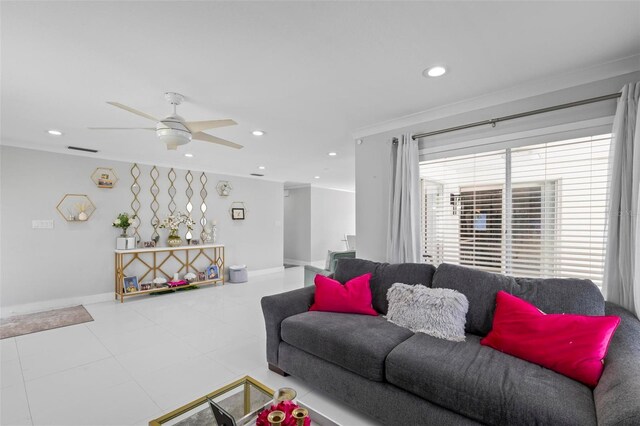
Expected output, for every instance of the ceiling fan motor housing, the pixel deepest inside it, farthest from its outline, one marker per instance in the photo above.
(173, 132)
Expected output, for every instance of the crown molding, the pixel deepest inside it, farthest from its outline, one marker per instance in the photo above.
(533, 88)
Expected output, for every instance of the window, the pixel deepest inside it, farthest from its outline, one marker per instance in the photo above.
(537, 210)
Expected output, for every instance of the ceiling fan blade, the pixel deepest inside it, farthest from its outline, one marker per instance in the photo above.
(208, 138)
(198, 126)
(135, 111)
(121, 128)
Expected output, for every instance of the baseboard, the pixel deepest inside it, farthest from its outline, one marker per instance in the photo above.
(319, 263)
(46, 305)
(296, 262)
(29, 308)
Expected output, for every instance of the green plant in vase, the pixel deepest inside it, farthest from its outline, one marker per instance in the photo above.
(124, 221)
(172, 223)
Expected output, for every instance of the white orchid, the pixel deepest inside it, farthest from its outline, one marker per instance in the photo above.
(173, 221)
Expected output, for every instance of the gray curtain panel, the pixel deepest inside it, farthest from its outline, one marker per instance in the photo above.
(403, 237)
(621, 281)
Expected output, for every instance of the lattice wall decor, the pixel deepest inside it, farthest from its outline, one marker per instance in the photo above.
(155, 190)
(189, 192)
(135, 203)
(172, 191)
(203, 206)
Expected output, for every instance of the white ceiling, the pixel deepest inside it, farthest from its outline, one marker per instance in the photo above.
(308, 73)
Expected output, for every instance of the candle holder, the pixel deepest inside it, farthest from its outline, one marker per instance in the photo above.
(300, 414)
(276, 418)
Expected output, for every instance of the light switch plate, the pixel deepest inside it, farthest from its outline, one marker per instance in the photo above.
(42, 224)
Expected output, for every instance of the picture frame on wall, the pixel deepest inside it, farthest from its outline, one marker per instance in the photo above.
(130, 284)
(213, 272)
(237, 213)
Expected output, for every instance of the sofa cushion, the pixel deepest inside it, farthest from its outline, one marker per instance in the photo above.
(352, 297)
(384, 276)
(359, 343)
(487, 385)
(572, 345)
(552, 295)
(438, 312)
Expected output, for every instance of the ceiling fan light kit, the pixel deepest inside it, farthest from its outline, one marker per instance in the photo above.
(174, 131)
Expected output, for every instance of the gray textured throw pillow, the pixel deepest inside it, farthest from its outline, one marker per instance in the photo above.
(438, 312)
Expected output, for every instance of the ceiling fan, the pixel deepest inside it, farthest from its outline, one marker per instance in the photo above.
(174, 130)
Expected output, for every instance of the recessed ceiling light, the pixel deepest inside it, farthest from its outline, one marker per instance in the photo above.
(333, 154)
(435, 71)
(257, 133)
(261, 167)
(316, 177)
(54, 132)
(188, 155)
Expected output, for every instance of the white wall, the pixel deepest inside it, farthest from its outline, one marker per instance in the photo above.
(315, 221)
(372, 197)
(372, 155)
(297, 225)
(76, 259)
(333, 214)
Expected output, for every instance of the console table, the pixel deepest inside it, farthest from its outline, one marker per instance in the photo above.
(153, 263)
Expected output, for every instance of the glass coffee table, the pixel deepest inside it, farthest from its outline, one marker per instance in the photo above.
(243, 400)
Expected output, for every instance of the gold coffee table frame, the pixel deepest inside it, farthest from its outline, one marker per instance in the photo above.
(246, 381)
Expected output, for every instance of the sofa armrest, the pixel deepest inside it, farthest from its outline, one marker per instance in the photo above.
(617, 396)
(310, 273)
(277, 308)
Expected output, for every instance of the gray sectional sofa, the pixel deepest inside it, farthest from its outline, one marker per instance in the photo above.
(402, 378)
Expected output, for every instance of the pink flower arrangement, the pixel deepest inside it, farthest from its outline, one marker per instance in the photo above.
(285, 406)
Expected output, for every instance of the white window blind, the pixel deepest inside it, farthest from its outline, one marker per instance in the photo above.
(536, 211)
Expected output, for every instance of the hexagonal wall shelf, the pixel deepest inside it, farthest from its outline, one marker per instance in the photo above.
(104, 177)
(76, 207)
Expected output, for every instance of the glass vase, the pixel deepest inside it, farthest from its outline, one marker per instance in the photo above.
(174, 239)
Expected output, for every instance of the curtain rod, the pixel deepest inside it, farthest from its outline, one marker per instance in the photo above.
(493, 121)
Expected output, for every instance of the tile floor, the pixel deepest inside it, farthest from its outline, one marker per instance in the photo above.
(141, 359)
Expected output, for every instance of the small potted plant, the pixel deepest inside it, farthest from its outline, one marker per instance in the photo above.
(124, 221)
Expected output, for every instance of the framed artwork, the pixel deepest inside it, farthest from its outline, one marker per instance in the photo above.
(237, 213)
(202, 276)
(130, 284)
(213, 272)
(104, 177)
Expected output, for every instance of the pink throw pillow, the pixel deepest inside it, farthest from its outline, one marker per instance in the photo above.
(572, 345)
(354, 297)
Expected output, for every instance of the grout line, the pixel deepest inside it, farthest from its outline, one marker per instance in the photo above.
(241, 298)
(24, 382)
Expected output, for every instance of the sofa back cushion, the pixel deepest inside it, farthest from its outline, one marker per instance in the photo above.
(384, 275)
(551, 295)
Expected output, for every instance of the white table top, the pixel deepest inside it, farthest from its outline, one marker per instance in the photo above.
(167, 248)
